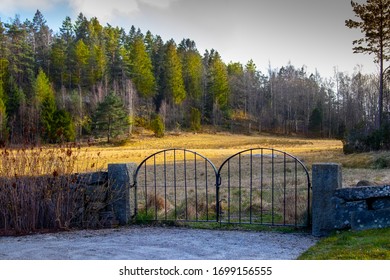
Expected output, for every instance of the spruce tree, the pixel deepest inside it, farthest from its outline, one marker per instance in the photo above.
(142, 69)
(174, 82)
(219, 87)
(110, 118)
(45, 105)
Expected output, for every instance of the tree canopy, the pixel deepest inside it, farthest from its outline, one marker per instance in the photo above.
(96, 79)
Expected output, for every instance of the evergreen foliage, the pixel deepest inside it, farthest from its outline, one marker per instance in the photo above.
(141, 69)
(315, 122)
(157, 126)
(173, 80)
(110, 118)
(195, 119)
(45, 106)
(86, 75)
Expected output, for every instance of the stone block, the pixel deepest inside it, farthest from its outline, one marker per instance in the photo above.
(381, 203)
(344, 210)
(120, 178)
(360, 193)
(326, 179)
(373, 219)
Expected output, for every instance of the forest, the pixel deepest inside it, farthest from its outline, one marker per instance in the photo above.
(92, 81)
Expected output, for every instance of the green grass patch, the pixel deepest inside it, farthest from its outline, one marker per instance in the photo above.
(242, 227)
(352, 245)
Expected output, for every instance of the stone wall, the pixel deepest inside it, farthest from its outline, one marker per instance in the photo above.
(362, 207)
(107, 195)
(336, 208)
(85, 200)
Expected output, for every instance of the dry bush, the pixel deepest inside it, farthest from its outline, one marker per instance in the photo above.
(197, 207)
(38, 191)
(158, 202)
(292, 206)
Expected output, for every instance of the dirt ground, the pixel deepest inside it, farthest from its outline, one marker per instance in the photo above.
(156, 243)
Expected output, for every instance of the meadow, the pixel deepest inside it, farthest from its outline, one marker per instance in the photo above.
(217, 147)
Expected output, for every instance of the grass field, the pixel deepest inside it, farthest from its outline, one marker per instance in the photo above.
(217, 147)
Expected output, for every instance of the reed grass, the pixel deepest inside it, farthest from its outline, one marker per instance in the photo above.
(39, 190)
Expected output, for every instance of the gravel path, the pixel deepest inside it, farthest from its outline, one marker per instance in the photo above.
(156, 243)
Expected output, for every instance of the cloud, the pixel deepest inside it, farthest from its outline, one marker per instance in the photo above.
(158, 3)
(104, 10)
(12, 6)
(107, 11)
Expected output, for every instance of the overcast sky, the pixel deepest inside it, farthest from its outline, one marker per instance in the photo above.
(303, 32)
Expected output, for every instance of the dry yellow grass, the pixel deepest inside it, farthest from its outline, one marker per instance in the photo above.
(219, 146)
(214, 146)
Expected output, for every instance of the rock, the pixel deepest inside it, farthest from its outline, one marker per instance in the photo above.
(364, 183)
(381, 203)
(370, 219)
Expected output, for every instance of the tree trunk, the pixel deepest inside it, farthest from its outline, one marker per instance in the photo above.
(380, 97)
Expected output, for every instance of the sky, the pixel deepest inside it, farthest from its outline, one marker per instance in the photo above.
(310, 33)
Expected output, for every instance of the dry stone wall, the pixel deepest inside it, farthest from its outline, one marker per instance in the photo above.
(337, 208)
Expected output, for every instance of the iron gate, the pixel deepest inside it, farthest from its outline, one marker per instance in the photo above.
(176, 185)
(255, 186)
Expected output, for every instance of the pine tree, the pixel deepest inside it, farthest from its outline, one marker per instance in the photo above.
(45, 105)
(113, 48)
(21, 62)
(58, 61)
(81, 58)
(63, 127)
(110, 117)
(219, 87)
(42, 41)
(3, 115)
(315, 122)
(192, 69)
(374, 23)
(141, 69)
(3, 71)
(174, 82)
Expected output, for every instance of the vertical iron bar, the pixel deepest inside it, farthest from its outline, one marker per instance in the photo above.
(273, 186)
(296, 192)
(185, 184)
(136, 196)
(174, 181)
(165, 183)
(308, 199)
(229, 204)
(217, 202)
(196, 190)
(207, 193)
(239, 188)
(284, 190)
(155, 188)
(146, 191)
(261, 185)
(251, 188)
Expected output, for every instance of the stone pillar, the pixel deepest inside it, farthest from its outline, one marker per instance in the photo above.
(326, 178)
(120, 178)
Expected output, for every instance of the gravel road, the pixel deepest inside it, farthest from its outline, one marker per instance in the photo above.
(156, 243)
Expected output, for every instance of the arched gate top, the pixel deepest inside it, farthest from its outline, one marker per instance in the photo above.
(273, 154)
(174, 150)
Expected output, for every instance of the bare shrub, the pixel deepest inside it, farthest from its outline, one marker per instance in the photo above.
(38, 191)
(158, 202)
